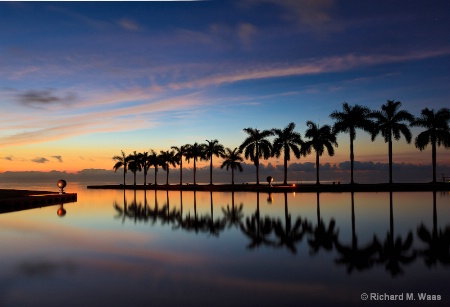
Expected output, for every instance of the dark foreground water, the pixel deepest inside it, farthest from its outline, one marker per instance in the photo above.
(116, 248)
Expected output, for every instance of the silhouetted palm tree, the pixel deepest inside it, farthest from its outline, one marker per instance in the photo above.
(232, 160)
(437, 132)
(390, 122)
(167, 159)
(350, 119)
(121, 162)
(287, 140)
(321, 138)
(213, 148)
(256, 146)
(144, 158)
(195, 152)
(155, 161)
(134, 164)
(179, 154)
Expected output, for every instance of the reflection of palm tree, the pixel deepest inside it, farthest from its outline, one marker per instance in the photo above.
(121, 162)
(213, 148)
(392, 252)
(121, 212)
(232, 159)
(353, 256)
(195, 152)
(289, 235)
(348, 121)
(321, 138)
(257, 146)
(438, 241)
(322, 237)
(214, 226)
(233, 215)
(168, 158)
(287, 140)
(437, 133)
(256, 229)
(390, 123)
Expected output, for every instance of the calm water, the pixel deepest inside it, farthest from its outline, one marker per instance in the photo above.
(115, 248)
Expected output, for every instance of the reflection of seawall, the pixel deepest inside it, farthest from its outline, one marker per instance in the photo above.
(17, 200)
(396, 187)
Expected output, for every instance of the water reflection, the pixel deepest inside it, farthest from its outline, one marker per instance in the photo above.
(395, 252)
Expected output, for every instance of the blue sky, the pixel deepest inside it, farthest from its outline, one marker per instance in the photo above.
(84, 80)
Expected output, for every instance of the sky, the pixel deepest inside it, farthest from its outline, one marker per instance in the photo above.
(81, 81)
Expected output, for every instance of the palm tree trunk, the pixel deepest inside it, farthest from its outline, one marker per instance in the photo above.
(124, 173)
(390, 159)
(194, 171)
(210, 171)
(257, 164)
(317, 168)
(156, 173)
(232, 176)
(181, 170)
(433, 159)
(145, 177)
(285, 168)
(352, 158)
(167, 176)
(134, 177)
(257, 173)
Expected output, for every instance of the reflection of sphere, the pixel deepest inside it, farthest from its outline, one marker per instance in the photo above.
(61, 184)
(61, 211)
(269, 179)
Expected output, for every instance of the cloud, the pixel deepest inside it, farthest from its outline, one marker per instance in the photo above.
(44, 97)
(246, 32)
(316, 15)
(8, 158)
(58, 158)
(40, 160)
(128, 24)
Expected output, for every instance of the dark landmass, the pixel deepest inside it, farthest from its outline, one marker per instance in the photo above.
(16, 200)
(382, 187)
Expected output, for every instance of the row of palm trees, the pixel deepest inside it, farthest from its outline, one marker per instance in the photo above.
(390, 122)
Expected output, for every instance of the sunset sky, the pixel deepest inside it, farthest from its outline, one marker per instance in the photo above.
(80, 81)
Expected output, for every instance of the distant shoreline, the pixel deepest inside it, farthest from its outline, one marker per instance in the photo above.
(381, 187)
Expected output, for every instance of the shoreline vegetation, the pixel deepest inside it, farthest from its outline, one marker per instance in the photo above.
(390, 121)
(281, 188)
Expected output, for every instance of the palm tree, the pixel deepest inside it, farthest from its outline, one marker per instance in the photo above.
(155, 161)
(321, 138)
(437, 132)
(134, 164)
(121, 161)
(179, 154)
(390, 122)
(232, 160)
(145, 164)
(168, 158)
(213, 148)
(350, 119)
(257, 146)
(287, 140)
(195, 151)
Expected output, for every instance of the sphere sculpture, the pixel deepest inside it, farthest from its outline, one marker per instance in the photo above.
(61, 185)
(269, 180)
